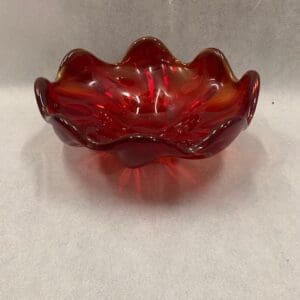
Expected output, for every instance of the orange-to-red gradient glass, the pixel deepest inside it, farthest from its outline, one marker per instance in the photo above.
(150, 105)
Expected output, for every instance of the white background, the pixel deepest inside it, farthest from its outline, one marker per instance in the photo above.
(228, 228)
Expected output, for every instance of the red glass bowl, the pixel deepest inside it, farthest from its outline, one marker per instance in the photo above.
(149, 105)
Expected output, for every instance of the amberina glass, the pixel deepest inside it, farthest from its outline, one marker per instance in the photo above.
(150, 105)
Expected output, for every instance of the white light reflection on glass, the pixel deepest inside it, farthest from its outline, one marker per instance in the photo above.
(138, 100)
(93, 82)
(156, 101)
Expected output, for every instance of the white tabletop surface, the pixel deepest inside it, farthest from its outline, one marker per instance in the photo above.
(77, 225)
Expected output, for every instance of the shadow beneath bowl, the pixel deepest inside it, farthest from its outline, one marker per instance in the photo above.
(100, 177)
(166, 181)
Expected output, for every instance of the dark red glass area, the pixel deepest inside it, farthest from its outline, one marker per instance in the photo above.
(149, 105)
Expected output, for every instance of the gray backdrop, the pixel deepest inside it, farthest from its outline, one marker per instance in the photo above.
(228, 229)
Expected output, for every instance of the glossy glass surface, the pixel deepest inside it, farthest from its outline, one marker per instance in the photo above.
(150, 105)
